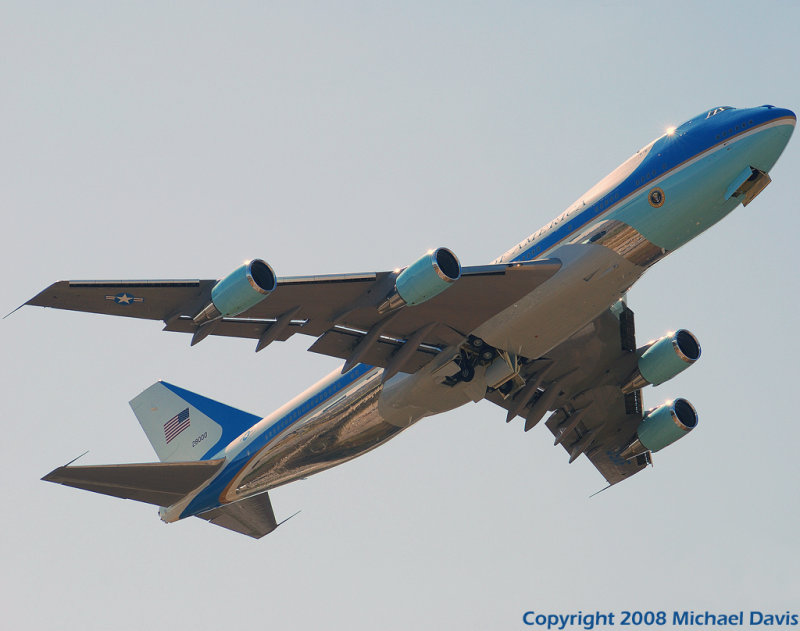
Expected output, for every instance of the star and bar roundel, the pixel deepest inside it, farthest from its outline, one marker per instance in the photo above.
(125, 298)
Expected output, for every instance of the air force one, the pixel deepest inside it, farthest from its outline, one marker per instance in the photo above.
(543, 330)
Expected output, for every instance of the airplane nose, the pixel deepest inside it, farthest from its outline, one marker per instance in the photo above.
(776, 113)
(777, 126)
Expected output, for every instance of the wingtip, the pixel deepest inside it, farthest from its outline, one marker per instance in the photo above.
(17, 309)
(50, 477)
(288, 518)
(53, 475)
(39, 299)
(605, 488)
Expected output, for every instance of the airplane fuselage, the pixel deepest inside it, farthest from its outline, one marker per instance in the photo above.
(663, 196)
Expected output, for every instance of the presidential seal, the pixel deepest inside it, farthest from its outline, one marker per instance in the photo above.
(656, 197)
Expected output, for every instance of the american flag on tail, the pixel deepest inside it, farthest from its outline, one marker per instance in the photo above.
(176, 425)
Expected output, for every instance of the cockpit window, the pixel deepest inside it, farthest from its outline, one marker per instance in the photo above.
(702, 117)
(717, 110)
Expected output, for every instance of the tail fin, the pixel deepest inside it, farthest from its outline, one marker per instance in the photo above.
(183, 426)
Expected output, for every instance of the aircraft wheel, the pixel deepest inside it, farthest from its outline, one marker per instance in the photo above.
(467, 373)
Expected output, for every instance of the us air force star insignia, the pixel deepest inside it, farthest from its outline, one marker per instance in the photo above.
(124, 298)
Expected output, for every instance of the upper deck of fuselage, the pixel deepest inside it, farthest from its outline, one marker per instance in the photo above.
(678, 147)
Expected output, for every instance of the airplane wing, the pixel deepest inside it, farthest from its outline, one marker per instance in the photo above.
(339, 310)
(581, 381)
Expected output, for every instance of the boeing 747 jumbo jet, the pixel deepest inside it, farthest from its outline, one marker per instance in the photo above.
(544, 329)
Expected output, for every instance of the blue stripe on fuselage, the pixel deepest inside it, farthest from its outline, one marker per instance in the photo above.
(688, 141)
(209, 497)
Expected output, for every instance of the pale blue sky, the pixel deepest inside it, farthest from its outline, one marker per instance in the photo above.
(176, 140)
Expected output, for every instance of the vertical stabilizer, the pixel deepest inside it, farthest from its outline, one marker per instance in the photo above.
(183, 426)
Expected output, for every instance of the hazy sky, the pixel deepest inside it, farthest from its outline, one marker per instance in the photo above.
(174, 140)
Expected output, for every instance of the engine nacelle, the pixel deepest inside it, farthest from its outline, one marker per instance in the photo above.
(240, 290)
(664, 359)
(427, 277)
(662, 426)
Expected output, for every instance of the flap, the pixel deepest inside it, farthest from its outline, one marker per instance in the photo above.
(342, 343)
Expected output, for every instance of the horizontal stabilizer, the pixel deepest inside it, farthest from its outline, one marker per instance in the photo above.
(159, 483)
(253, 516)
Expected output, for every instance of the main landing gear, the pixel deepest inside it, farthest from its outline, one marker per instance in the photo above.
(502, 369)
(476, 352)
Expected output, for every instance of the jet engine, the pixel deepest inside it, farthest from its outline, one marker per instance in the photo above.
(662, 426)
(425, 278)
(664, 359)
(240, 290)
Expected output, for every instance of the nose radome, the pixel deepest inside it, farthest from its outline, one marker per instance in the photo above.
(777, 113)
(773, 136)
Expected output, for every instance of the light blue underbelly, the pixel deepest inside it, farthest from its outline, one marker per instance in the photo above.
(694, 195)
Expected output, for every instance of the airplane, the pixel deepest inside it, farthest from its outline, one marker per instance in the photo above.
(543, 330)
